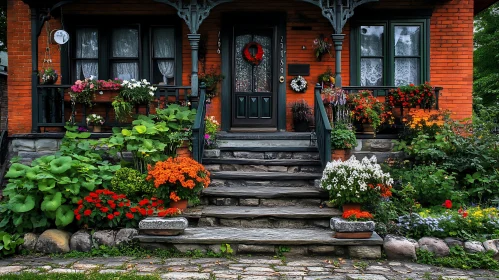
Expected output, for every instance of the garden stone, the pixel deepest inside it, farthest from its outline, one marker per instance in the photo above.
(492, 245)
(125, 235)
(81, 241)
(30, 240)
(53, 241)
(364, 252)
(400, 248)
(163, 226)
(451, 242)
(341, 225)
(434, 245)
(46, 145)
(26, 145)
(105, 237)
(473, 247)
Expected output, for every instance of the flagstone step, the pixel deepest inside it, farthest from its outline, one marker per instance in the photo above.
(290, 212)
(265, 161)
(266, 241)
(265, 192)
(236, 175)
(380, 156)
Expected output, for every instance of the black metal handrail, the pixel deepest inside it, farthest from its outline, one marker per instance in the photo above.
(322, 127)
(198, 129)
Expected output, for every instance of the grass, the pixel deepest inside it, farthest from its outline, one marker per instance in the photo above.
(77, 276)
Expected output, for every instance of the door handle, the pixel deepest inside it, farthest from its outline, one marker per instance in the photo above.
(281, 79)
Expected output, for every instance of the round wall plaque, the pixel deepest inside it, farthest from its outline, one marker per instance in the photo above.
(61, 37)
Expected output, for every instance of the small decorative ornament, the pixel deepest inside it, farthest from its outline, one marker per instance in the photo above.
(253, 59)
(61, 37)
(299, 84)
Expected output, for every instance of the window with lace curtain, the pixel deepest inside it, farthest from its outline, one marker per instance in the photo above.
(130, 51)
(390, 53)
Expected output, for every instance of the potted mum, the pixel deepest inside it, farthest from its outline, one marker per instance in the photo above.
(179, 180)
(96, 121)
(355, 182)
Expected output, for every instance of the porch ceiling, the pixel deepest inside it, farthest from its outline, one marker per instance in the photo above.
(481, 5)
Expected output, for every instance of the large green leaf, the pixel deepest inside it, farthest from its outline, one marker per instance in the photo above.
(60, 165)
(141, 129)
(52, 202)
(46, 185)
(126, 132)
(22, 203)
(17, 170)
(64, 216)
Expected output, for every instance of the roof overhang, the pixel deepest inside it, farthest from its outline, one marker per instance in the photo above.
(481, 5)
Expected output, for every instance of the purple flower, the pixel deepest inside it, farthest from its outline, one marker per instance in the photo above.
(82, 129)
(206, 136)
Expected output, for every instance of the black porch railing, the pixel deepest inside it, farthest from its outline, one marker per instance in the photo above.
(198, 129)
(322, 127)
(54, 111)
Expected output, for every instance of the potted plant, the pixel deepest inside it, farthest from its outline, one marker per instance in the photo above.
(211, 81)
(211, 129)
(83, 91)
(179, 180)
(326, 78)
(48, 76)
(367, 110)
(354, 224)
(342, 140)
(322, 45)
(355, 182)
(302, 115)
(96, 121)
(132, 93)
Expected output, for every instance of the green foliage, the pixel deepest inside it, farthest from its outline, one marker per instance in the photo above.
(211, 129)
(42, 194)
(132, 183)
(9, 243)
(301, 111)
(458, 258)
(211, 81)
(342, 138)
(485, 56)
(122, 109)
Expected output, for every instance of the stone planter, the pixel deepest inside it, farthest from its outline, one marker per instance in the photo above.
(344, 229)
(163, 226)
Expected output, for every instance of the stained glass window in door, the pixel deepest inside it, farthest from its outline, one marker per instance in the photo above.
(263, 72)
(407, 55)
(371, 52)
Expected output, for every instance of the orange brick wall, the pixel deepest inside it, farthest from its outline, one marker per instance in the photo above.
(451, 47)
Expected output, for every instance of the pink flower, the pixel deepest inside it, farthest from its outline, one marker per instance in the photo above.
(206, 136)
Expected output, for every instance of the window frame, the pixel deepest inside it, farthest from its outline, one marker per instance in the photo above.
(389, 47)
(145, 58)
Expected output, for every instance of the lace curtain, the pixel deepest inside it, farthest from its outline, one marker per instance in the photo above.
(87, 46)
(371, 45)
(407, 69)
(125, 44)
(163, 43)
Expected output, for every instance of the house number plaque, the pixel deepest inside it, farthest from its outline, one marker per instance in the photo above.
(281, 70)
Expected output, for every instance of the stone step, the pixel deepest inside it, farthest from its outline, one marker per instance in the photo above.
(265, 161)
(269, 179)
(263, 135)
(256, 153)
(259, 192)
(232, 143)
(262, 168)
(267, 241)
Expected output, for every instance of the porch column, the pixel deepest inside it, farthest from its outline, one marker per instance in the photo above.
(194, 42)
(338, 47)
(34, 69)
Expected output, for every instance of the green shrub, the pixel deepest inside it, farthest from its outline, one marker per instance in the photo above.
(9, 243)
(342, 138)
(131, 183)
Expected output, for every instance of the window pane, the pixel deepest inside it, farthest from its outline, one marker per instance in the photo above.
(371, 40)
(163, 72)
(243, 69)
(87, 69)
(263, 72)
(126, 71)
(371, 72)
(407, 40)
(407, 71)
(163, 43)
(125, 42)
(87, 44)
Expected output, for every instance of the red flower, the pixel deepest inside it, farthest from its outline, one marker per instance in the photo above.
(110, 216)
(78, 217)
(87, 212)
(121, 204)
(447, 204)
(75, 211)
(142, 211)
(465, 214)
(150, 212)
(80, 201)
(116, 214)
(143, 202)
(129, 215)
(104, 209)
(110, 202)
(94, 194)
(133, 209)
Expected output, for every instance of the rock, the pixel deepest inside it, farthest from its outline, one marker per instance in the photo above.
(489, 245)
(341, 225)
(26, 145)
(364, 252)
(211, 153)
(53, 241)
(105, 237)
(163, 226)
(249, 201)
(30, 240)
(400, 248)
(473, 247)
(451, 242)
(255, 249)
(125, 235)
(81, 241)
(434, 245)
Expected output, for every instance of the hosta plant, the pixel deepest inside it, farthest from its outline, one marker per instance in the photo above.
(9, 243)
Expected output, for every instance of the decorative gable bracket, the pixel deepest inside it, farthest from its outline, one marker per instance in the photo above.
(339, 11)
(195, 12)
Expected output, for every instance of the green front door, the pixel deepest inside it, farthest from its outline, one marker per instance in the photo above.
(253, 95)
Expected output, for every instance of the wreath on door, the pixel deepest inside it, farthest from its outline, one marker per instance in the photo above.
(253, 59)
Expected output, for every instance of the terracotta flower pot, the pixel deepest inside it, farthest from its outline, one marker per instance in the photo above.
(351, 206)
(97, 128)
(341, 154)
(181, 204)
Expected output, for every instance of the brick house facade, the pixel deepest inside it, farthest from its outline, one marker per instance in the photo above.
(445, 46)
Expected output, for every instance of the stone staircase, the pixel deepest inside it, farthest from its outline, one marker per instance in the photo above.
(264, 198)
(382, 148)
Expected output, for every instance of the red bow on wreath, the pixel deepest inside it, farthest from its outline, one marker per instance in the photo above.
(257, 58)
